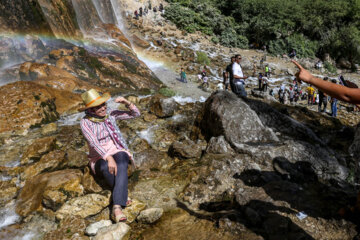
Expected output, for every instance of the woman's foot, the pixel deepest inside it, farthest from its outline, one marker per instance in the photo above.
(128, 202)
(117, 214)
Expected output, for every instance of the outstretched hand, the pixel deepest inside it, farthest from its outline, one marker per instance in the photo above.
(302, 74)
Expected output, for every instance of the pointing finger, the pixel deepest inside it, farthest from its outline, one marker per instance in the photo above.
(297, 64)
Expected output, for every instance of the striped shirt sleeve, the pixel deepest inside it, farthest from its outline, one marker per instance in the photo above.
(91, 138)
(122, 115)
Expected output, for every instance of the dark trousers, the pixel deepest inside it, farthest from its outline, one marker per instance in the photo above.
(310, 99)
(260, 84)
(118, 183)
(322, 101)
(264, 87)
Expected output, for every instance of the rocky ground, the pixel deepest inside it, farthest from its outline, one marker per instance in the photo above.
(226, 168)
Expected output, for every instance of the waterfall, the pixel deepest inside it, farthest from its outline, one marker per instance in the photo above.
(87, 17)
(117, 11)
(105, 11)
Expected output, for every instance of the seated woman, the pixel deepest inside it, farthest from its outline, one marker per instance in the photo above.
(108, 152)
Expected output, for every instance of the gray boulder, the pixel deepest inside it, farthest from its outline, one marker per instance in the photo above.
(163, 107)
(226, 114)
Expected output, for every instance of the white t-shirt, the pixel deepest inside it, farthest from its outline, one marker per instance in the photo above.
(237, 70)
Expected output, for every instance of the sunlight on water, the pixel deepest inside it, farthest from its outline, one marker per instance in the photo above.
(148, 134)
(184, 100)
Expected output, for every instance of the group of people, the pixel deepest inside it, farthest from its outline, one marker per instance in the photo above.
(293, 94)
(144, 11)
(322, 99)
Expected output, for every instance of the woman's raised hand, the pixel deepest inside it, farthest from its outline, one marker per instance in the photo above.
(302, 74)
(122, 100)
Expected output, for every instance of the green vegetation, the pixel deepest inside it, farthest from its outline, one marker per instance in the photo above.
(202, 58)
(328, 66)
(167, 92)
(311, 27)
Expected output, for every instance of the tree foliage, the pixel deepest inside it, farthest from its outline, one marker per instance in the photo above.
(311, 27)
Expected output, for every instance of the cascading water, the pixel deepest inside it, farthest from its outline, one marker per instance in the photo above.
(105, 11)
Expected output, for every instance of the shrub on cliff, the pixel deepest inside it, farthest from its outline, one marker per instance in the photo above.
(202, 58)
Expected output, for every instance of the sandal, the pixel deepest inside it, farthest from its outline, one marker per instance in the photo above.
(128, 202)
(118, 218)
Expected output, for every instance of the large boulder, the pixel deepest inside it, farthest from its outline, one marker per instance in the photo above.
(226, 114)
(163, 107)
(32, 193)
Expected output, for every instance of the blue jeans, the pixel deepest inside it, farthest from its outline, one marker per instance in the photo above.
(118, 183)
(240, 89)
(334, 108)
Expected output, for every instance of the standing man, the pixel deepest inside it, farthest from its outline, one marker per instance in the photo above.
(239, 79)
(310, 92)
(267, 70)
(323, 98)
(230, 75)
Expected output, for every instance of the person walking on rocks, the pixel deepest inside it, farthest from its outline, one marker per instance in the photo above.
(140, 11)
(239, 78)
(322, 98)
(183, 75)
(230, 75)
(109, 154)
(310, 91)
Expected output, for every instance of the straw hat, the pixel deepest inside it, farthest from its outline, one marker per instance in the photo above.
(92, 98)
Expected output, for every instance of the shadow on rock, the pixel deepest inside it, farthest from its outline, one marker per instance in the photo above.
(256, 216)
(298, 185)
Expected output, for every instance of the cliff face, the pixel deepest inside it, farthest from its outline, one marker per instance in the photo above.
(23, 16)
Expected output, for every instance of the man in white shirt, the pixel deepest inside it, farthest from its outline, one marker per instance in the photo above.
(239, 78)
